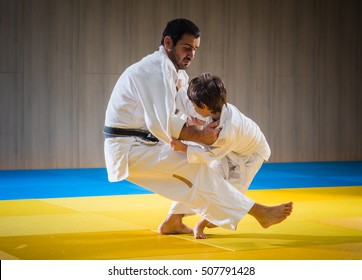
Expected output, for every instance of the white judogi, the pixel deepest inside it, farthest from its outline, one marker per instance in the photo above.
(237, 155)
(144, 98)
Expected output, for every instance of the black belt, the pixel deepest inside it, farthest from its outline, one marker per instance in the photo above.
(117, 132)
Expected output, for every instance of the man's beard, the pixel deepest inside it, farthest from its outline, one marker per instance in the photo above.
(178, 65)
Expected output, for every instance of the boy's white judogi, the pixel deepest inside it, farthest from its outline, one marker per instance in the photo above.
(237, 155)
(144, 98)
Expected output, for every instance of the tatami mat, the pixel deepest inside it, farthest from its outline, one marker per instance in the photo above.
(326, 224)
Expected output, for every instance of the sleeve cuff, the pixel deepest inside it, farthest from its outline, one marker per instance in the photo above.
(177, 124)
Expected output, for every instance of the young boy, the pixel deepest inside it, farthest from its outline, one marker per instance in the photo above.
(240, 149)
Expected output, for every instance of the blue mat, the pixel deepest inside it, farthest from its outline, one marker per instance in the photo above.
(56, 183)
(308, 174)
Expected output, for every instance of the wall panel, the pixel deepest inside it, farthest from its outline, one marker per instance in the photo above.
(11, 35)
(12, 121)
(50, 91)
(295, 67)
(95, 90)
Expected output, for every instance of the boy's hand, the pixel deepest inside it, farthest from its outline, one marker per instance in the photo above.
(177, 145)
(180, 84)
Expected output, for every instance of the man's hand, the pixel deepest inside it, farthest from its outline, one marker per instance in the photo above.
(210, 133)
(206, 136)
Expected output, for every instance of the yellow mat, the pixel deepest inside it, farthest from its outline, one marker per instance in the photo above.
(326, 224)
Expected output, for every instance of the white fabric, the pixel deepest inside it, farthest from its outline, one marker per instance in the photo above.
(237, 155)
(144, 98)
(239, 136)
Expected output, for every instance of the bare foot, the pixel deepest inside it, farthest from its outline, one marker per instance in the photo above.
(271, 215)
(199, 229)
(173, 225)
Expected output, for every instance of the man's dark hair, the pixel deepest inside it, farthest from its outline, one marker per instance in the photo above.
(177, 28)
(209, 90)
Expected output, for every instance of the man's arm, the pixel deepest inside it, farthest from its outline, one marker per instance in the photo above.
(206, 136)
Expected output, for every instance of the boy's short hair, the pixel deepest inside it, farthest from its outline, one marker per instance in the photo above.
(209, 90)
(177, 28)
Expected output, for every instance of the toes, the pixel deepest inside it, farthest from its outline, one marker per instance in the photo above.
(200, 236)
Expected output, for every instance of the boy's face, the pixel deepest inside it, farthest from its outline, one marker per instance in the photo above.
(184, 52)
(204, 111)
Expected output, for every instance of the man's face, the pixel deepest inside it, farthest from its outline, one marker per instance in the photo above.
(184, 52)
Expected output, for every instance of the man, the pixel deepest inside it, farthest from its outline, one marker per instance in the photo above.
(140, 122)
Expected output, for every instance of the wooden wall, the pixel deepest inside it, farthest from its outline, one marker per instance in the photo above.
(293, 66)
